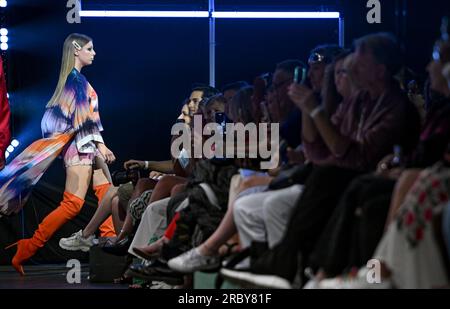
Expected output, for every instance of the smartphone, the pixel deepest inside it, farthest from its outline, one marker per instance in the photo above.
(221, 120)
(183, 158)
(297, 77)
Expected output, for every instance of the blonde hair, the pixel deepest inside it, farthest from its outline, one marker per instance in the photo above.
(67, 63)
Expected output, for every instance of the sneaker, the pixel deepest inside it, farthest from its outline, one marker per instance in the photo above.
(312, 284)
(149, 273)
(161, 285)
(77, 242)
(256, 280)
(192, 261)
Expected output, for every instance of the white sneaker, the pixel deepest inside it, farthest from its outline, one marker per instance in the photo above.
(77, 242)
(312, 284)
(262, 281)
(192, 261)
(161, 285)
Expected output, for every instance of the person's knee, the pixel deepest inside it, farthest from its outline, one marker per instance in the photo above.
(144, 184)
(244, 209)
(116, 204)
(115, 201)
(274, 206)
(177, 189)
(117, 208)
(166, 180)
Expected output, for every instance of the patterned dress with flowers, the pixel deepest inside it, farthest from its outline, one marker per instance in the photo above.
(409, 246)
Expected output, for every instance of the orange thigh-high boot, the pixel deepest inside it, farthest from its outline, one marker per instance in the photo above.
(69, 207)
(107, 227)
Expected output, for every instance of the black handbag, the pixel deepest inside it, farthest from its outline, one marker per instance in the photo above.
(291, 175)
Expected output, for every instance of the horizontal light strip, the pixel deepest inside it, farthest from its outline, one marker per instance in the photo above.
(206, 14)
(144, 14)
(275, 14)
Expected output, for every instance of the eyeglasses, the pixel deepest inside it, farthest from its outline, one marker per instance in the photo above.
(315, 58)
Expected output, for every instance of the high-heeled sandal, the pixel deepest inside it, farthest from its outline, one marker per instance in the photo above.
(230, 248)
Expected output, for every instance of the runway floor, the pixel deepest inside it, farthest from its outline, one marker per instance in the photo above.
(49, 277)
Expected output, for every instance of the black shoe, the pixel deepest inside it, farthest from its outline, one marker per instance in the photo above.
(279, 261)
(119, 248)
(151, 273)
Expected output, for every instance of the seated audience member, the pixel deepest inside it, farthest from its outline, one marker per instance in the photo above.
(360, 133)
(411, 252)
(229, 90)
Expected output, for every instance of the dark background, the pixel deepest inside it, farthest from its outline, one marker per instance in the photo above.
(144, 68)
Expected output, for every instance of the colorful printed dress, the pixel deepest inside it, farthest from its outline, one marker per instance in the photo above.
(69, 128)
(409, 247)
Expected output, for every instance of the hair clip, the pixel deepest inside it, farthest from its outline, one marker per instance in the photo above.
(316, 58)
(76, 45)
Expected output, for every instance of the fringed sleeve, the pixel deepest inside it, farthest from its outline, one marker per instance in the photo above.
(81, 100)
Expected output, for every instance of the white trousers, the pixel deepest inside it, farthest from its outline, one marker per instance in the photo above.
(153, 224)
(263, 217)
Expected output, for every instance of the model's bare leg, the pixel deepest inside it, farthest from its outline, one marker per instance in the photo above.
(78, 179)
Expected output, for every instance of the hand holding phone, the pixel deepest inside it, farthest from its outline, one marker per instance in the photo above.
(297, 79)
(221, 120)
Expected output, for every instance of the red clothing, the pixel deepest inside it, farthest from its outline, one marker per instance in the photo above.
(172, 226)
(5, 133)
